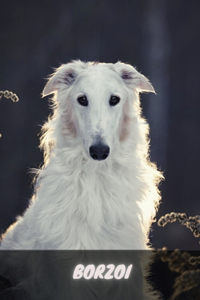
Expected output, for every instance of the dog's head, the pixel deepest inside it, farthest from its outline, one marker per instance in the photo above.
(95, 102)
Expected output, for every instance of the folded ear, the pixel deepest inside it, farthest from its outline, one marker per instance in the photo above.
(133, 78)
(63, 77)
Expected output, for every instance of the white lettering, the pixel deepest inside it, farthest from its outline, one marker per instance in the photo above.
(128, 271)
(89, 271)
(78, 272)
(100, 269)
(108, 274)
(120, 271)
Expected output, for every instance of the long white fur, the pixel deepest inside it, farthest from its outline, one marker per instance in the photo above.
(81, 203)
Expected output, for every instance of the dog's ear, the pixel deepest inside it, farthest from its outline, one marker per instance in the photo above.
(133, 78)
(57, 80)
(63, 77)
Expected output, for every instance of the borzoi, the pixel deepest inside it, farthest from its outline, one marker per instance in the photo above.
(97, 188)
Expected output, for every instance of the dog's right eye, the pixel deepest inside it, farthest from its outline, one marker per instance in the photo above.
(82, 100)
(114, 100)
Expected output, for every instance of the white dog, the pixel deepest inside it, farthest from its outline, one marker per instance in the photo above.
(97, 188)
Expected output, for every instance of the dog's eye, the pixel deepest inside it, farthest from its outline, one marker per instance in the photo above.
(114, 100)
(82, 100)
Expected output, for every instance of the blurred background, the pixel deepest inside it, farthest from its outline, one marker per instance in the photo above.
(160, 38)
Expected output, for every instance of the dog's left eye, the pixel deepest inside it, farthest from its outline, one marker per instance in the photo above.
(82, 100)
(114, 100)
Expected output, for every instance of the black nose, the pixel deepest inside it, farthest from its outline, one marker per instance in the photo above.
(99, 151)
